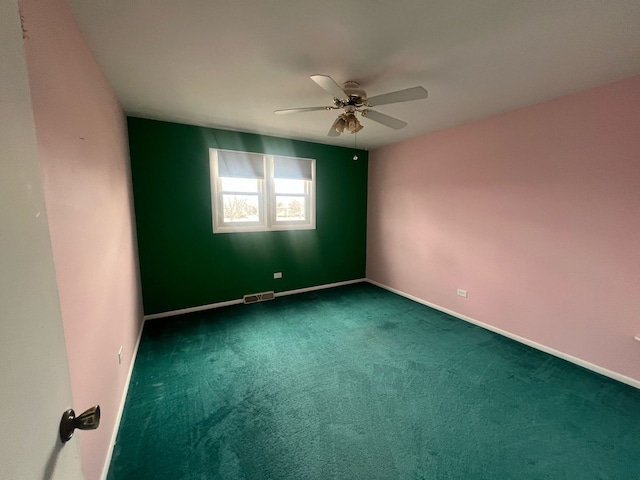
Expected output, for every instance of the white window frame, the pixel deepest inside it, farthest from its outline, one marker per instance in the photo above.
(266, 200)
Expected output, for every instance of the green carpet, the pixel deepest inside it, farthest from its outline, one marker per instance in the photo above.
(359, 383)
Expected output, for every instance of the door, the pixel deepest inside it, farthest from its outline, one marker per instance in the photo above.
(34, 377)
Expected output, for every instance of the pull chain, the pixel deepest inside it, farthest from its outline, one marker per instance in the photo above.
(355, 145)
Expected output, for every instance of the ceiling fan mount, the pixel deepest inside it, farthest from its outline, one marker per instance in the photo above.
(354, 100)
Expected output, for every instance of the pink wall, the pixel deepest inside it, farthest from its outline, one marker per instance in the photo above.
(535, 212)
(83, 148)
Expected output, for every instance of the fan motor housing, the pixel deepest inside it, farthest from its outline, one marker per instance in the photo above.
(357, 96)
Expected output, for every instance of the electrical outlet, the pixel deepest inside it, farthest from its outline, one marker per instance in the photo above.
(462, 293)
(120, 356)
(277, 275)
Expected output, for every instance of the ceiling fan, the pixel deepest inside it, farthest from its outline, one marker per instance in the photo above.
(353, 100)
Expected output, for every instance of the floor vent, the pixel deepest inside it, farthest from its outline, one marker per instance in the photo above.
(259, 297)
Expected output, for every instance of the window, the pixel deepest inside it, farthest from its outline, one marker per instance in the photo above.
(252, 192)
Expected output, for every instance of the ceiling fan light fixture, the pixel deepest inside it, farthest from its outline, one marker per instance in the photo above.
(353, 125)
(340, 124)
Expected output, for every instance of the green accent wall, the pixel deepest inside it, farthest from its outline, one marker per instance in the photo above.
(184, 264)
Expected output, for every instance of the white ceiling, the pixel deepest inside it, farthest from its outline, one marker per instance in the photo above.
(230, 64)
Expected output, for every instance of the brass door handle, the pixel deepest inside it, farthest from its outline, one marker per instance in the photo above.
(87, 420)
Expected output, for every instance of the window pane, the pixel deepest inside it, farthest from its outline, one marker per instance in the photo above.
(283, 185)
(290, 208)
(248, 185)
(241, 208)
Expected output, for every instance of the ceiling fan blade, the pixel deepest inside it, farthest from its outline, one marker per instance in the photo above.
(333, 132)
(305, 109)
(384, 119)
(415, 93)
(326, 82)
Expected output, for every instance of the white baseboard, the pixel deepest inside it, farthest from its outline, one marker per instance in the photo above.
(112, 443)
(240, 300)
(538, 346)
(199, 308)
(319, 287)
